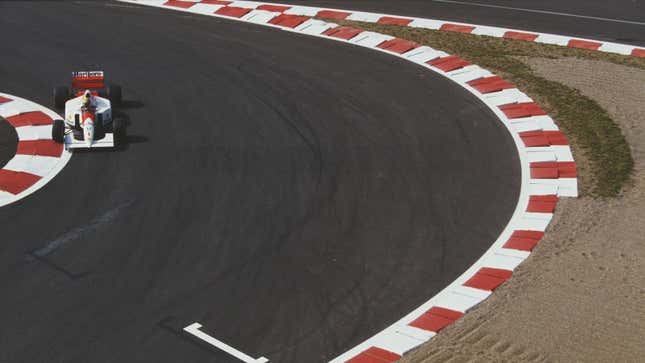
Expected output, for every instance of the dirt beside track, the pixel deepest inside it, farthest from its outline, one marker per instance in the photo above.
(8, 142)
(579, 296)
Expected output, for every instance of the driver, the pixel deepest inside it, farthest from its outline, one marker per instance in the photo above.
(88, 100)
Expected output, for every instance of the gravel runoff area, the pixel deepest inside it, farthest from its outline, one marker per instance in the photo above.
(8, 142)
(579, 296)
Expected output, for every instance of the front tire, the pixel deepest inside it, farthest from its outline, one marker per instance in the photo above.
(113, 93)
(118, 128)
(58, 131)
(61, 95)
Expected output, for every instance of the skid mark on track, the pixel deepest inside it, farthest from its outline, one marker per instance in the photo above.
(41, 254)
(71, 275)
(76, 233)
(110, 5)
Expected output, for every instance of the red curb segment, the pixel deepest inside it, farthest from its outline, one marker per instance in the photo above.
(638, 52)
(288, 21)
(524, 240)
(520, 35)
(543, 172)
(542, 203)
(490, 84)
(233, 11)
(457, 28)
(39, 147)
(449, 63)
(567, 169)
(33, 118)
(16, 182)
(543, 138)
(523, 109)
(553, 170)
(399, 45)
(394, 20)
(488, 278)
(343, 32)
(5, 99)
(216, 2)
(436, 319)
(584, 44)
(332, 14)
(375, 355)
(274, 8)
(179, 4)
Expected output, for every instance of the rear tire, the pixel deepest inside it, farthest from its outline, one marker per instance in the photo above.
(113, 93)
(118, 128)
(61, 95)
(58, 131)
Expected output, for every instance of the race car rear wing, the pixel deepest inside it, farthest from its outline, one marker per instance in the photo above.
(88, 80)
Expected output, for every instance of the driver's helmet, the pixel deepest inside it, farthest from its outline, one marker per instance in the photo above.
(87, 98)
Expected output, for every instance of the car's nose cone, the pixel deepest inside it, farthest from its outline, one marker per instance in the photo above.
(88, 131)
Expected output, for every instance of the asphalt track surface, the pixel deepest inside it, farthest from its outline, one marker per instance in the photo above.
(470, 12)
(8, 141)
(294, 195)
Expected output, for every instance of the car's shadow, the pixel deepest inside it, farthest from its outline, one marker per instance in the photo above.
(131, 139)
(131, 104)
(126, 105)
(136, 139)
(120, 112)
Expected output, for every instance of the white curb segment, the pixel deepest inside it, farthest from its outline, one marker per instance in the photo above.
(38, 158)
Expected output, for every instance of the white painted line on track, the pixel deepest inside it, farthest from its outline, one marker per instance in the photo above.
(540, 11)
(194, 330)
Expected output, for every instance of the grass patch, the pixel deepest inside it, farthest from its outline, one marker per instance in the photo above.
(603, 156)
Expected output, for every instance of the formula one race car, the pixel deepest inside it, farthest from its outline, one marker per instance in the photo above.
(89, 121)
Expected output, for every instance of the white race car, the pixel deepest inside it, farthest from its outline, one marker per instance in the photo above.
(89, 121)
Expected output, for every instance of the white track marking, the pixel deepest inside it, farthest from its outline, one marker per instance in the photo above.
(540, 11)
(194, 330)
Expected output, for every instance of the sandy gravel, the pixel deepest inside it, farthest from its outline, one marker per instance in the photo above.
(580, 297)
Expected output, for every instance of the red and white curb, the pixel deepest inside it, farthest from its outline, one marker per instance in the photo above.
(548, 169)
(242, 9)
(38, 158)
